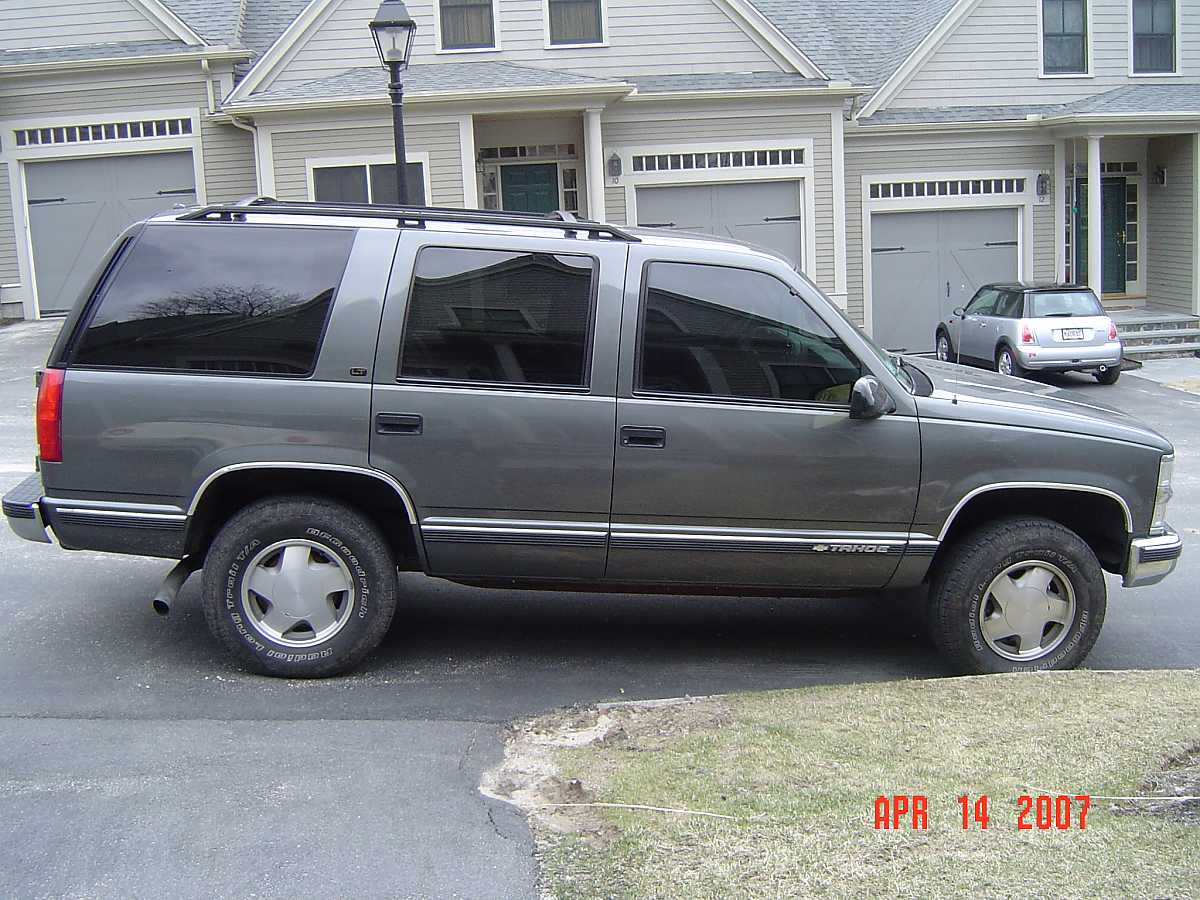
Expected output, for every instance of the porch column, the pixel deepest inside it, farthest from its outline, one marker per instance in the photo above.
(594, 148)
(466, 146)
(1095, 229)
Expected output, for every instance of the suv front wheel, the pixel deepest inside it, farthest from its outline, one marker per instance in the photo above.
(1018, 595)
(299, 587)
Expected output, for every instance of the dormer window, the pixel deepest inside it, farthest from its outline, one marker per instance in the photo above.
(468, 24)
(1154, 37)
(574, 23)
(1064, 37)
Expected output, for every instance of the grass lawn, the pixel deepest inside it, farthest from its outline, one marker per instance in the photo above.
(799, 773)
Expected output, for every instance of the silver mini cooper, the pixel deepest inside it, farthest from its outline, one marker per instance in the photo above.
(1020, 328)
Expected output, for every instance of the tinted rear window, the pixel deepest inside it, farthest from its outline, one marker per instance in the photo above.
(218, 298)
(1067, 303)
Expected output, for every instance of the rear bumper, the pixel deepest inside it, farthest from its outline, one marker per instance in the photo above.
(1071, 358)
(1151, 559)
(22, 508)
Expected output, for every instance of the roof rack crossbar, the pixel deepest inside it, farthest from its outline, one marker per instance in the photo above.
(562, 221)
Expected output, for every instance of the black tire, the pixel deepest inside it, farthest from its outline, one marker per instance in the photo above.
(959, 596)
(1017, 370)
(947, 350)
(330, 533)
(1109, 375)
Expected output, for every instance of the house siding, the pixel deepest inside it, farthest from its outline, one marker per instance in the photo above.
(663, 38)
(1171, 229)
(873, 155)
(992, 59)
(9, 270)
(30, 23)
(229, 171)
(437, 136)
(647, 124)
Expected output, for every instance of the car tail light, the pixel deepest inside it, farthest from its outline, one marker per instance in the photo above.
(1027, 334)
(1112, 330)
(49, 414)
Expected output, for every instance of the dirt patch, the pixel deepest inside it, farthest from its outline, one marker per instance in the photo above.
(1191, 385)
(529, 776)
(1179, 778)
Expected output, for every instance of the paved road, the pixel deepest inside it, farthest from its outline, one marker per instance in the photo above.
(134, 762)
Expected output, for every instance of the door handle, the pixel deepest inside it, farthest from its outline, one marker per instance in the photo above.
(397, 423)
(638, 436)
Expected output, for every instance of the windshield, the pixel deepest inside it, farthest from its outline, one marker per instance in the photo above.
(1064, 305)
(891, 362)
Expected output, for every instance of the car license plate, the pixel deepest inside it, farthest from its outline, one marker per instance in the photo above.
(1072, 334)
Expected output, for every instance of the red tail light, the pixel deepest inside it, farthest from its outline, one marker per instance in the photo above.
(1027, 334)
(49, 414)
(1112, 330)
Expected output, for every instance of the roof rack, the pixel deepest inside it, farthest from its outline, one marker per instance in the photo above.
(403, 215)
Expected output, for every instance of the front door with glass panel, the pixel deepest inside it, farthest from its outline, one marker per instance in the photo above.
(736, 459)
(1113, 233)
(530, 188)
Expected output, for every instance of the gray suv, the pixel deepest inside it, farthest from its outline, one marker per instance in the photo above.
(303, 399)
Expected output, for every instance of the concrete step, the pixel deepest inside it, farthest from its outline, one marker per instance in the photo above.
(1144, 352)
(1155, 322)
(1161, 336)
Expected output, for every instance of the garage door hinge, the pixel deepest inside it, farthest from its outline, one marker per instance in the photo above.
(1000, 244)
(781, 219)
(886, 249)
(176, 191)
(47, 200)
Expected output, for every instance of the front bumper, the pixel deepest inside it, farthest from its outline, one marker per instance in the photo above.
(1067, 358)
(1151, 559)
(22, 508)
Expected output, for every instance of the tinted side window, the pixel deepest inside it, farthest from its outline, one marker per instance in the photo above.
(1011, 305)
(721, 332)
(984, 303)
(218, 298)
(500, 317)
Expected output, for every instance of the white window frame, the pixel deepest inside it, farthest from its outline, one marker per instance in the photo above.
(803, 174)
(1023, 203)
(15, 158)
(1178, 73)
(603, 42)
(1089, 43)
(437, 31)
(375, 159)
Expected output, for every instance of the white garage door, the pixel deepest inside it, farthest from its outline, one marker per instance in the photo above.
(764, 213)
(924, 264)
(77, 207)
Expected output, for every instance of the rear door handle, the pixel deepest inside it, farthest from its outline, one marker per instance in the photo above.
(639, 436)
(398, 423)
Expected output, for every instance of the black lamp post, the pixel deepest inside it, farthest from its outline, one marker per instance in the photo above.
(394, 31)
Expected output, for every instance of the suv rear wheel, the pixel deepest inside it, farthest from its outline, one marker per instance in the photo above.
(299, 587)
(1018, 595)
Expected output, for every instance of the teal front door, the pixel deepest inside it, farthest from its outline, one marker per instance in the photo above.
(529, 188)
(1112, 203)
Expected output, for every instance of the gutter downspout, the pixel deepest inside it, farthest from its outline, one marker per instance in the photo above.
(253, 132)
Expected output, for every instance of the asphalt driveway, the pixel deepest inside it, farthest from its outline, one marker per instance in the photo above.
(135, 762)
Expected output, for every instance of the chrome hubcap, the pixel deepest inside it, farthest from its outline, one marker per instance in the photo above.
(1006, 364)
(1027, 610)
(297, 593)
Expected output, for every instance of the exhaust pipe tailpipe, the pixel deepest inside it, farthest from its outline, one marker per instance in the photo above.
(172, 583)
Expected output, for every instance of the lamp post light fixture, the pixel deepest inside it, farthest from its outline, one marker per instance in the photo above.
(394, 31)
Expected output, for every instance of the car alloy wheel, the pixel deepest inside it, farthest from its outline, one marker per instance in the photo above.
(1004, 362)
(297, 593)
(1027, 611)
(943, 348)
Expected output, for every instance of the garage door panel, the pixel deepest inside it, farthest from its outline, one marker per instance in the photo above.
(77, 208)
(925, 264)
(766, 214)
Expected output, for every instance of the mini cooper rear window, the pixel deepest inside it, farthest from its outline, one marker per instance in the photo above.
(1065, 304)
(218, 298)
(499, 317)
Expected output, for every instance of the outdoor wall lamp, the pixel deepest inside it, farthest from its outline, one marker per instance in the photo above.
(614, 168)
(394, 30)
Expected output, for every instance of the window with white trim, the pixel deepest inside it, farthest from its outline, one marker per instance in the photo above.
(1064, 37)
(894, 190)
(103, 131)
(467, 24)
(1154, 37)
(575, 22)
(367, 183)
(725, 159)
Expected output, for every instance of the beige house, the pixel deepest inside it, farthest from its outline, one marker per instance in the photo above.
(899, 153)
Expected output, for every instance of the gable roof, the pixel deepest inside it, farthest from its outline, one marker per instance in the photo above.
(861, 41)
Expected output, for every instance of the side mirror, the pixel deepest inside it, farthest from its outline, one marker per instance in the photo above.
(869, 400)
(960, 312)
